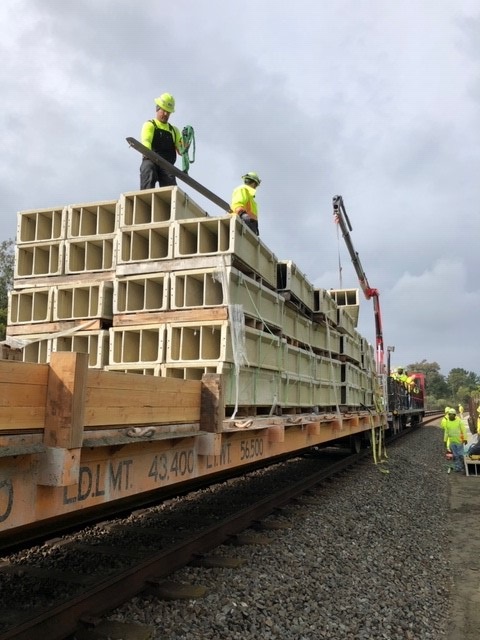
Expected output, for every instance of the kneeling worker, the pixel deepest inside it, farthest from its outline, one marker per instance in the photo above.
(244, 204)
(454, 435)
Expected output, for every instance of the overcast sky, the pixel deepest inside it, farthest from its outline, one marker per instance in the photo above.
(378, 101)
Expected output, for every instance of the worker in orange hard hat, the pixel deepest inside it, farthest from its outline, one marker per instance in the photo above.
(243, 202)
(163, 138)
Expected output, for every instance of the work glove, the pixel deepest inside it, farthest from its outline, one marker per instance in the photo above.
(244, 215)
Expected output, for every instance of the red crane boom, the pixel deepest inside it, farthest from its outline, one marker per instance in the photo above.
(341, 218)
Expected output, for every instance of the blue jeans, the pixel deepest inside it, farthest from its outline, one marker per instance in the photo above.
(457, 452)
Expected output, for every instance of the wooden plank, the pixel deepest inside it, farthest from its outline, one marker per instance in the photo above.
(14, 394)
(23, 372)
(133, 382)
(15, 418)
(64, 416)
(200, 314)
(80, 278)
(91, 324)
(113, 398)
(141, 397)
(153, 267)
(126, 416)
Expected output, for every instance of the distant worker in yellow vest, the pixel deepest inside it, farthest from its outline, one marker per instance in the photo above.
(460, 411)
(447, 409)
(454, 436)
(411, 383)
(400, 375)
(244, 204)
(163, 138)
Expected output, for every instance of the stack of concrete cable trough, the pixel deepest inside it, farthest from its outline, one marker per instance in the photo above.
(151, 284)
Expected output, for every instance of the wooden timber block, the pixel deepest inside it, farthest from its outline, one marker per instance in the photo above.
(212, 411)
(65, 406)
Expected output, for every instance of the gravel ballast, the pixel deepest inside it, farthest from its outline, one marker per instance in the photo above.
(362, 564)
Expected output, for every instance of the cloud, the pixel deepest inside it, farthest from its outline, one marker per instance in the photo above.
(378, 102)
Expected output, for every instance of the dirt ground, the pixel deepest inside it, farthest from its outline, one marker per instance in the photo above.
(464, 500)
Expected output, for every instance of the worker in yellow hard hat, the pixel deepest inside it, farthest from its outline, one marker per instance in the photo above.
(454, 437)
(163, 138)
(243, 202)
(443, 423)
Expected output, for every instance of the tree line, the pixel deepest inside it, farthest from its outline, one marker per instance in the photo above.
(6, 281)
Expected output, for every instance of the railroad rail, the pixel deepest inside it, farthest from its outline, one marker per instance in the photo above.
(90, 597)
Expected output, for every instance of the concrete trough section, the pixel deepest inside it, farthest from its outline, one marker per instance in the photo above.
(41, 225)
(92, 219)
(225, 235)
(294, 284)
(225, 285)
(144, 293)
(29, 306)
(39, 259)
(87, 255)
(151, 206)
(77, 301)
(145, 244)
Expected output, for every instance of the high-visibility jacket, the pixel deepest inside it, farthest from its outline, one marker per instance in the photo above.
(243, 199)
(454, 431)
(163, 138)
(411, 386)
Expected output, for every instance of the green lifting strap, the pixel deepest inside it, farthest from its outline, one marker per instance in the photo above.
(188, 141)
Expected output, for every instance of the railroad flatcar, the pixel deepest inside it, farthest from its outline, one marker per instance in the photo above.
(160, 345)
